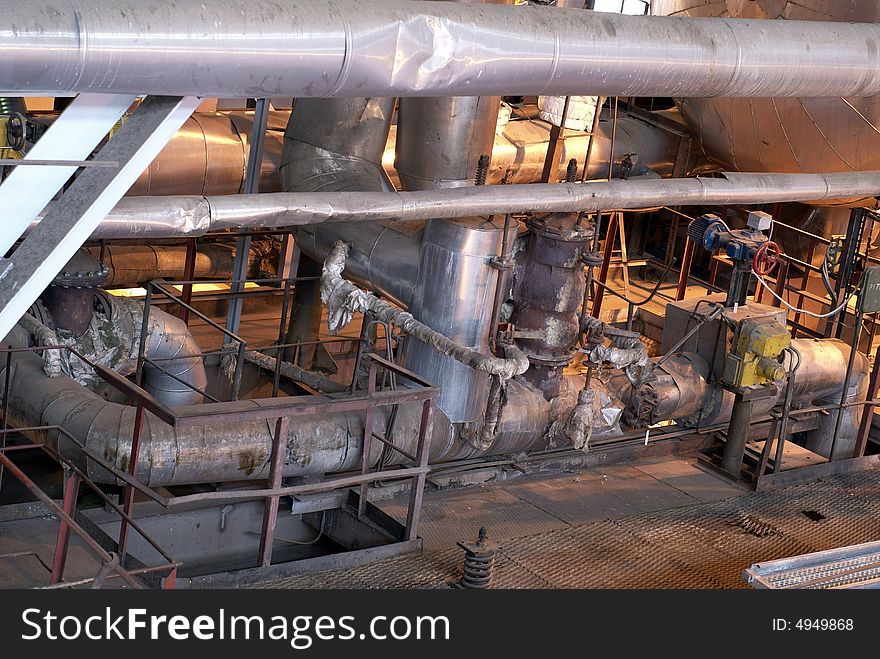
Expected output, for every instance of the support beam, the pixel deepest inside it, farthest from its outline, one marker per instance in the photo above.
(70, 221)
(243, 244)
(72, 136)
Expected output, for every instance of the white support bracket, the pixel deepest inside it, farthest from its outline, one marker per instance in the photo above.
(72, 136)
(69, 222)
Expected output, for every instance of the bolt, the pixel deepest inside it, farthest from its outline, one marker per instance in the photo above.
(482, 536)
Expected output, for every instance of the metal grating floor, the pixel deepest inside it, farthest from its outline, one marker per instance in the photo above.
(701, 535)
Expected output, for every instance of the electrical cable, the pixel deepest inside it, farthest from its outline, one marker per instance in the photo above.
(828, 314)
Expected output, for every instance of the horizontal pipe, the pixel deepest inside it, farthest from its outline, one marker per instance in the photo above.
(175, 216)
(334, 48)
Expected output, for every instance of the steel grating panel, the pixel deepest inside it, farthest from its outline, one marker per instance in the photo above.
(600, 494)
(705, 545)
(428, 570)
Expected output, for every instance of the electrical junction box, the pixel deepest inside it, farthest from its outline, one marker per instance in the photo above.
(759, 220)
(712, 340)
(869, 296)
(754, 353)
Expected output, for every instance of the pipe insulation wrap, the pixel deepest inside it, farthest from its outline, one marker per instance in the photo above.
(325, 48)
(176, 216)
(344, 299)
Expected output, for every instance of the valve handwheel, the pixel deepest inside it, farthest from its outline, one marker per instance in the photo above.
(16, 131)
(766, 258)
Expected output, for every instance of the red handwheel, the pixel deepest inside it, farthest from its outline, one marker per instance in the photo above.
(766, 258)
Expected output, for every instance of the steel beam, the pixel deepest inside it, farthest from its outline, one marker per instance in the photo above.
(71, 220)
(72, 136)
(251, 186)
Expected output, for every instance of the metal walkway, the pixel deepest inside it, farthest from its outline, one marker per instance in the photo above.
(690, 545)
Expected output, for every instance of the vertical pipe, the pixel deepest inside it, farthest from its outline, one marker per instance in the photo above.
(270, 511)
(737, 435)
(305, 314)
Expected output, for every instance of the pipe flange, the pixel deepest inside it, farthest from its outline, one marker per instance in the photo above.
(82, 271)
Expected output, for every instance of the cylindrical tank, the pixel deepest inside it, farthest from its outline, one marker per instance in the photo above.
(454, 296)
(784, 134)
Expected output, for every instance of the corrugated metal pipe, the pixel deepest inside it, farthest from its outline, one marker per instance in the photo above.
(327, 48)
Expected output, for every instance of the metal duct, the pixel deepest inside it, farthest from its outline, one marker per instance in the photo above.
(821, 377)
(325, 48)
(336, 145)
(171, 217)
(454, 296)
(175, 374)
(682, 389)
(208, 155)
(132, 265)
(236, 451)
(440, 140)
(520, 150)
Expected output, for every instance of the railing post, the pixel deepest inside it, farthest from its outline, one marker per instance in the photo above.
(417, 489)
(62, 540)
(128, 501)
(276, 470)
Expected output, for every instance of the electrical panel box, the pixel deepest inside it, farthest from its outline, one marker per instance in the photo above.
(869, 297)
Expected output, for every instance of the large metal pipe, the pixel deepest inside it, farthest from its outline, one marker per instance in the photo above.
(323, 48)
(332, 147)
(440, 140)
(170, 217)
(208, 155)
(132, 265)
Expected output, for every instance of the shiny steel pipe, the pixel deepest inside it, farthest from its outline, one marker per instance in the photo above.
(172, 217)
(325, 48)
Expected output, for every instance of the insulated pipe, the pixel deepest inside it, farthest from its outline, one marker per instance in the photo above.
(132, 265)
(440, 140)
(326, 48)
(336, 145)
(170, 217)
(344, 299)
(178, 373)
